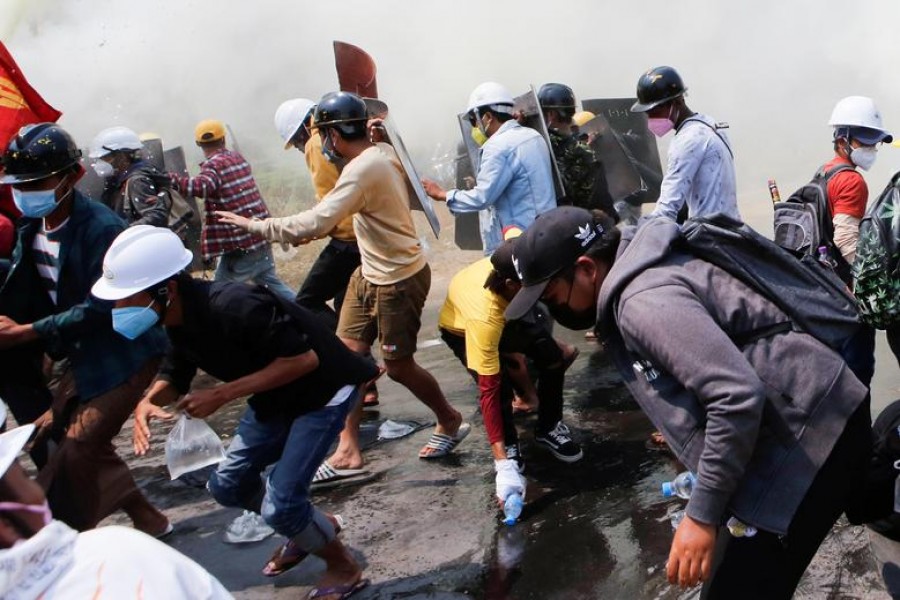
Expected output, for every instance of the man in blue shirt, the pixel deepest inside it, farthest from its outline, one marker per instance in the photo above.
(515, 179)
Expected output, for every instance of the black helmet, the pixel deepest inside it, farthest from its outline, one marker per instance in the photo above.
(39, 151)
(656, 87)
(344, 111)
(556, 96)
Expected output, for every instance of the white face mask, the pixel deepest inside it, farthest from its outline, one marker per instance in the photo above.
(864, 157)
(103, 168)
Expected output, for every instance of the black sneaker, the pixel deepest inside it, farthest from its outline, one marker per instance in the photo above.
(514, 453)
(560, 443)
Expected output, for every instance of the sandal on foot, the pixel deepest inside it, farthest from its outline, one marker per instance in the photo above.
(287, 556)
(328, 476)
(441, 444)
(341, 591)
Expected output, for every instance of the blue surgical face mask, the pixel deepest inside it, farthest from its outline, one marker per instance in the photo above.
(38, 203)
(133, 321)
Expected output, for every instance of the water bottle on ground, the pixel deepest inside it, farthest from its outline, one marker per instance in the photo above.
(681, 486)
(512, 509)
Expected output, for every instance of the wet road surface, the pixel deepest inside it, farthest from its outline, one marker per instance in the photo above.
(594, 529)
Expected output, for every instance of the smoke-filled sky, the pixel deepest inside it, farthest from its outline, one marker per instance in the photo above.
(773, 70)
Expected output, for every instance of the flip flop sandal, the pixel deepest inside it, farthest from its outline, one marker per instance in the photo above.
(341, 591)
(288, 555)
(327, 476)
(441, 444)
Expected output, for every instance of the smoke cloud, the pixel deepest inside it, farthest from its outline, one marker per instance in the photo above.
(773, 70)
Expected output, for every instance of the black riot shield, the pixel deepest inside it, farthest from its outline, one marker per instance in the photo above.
(418, 199)
(90, 184)
(153, 153)
(634, 141)
(174, 161)
(527, 104)
(466, 231)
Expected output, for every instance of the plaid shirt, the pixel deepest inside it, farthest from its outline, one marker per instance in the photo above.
(225, 183)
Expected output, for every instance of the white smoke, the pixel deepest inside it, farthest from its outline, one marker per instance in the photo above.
(773, 70)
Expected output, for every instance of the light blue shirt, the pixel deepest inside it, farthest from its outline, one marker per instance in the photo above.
(514, 183)
(700, 172)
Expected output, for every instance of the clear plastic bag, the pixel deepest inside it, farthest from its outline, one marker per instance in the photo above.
(192, 445)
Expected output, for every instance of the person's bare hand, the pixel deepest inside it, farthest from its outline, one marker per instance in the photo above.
(377, 132)
(202, 403)
(230, 218)
(143, 413)
(690, 558)
(433, 189)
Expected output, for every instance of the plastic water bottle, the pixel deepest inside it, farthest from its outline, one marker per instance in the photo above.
(681, 486)
(512, 508)
(676, 518)
(739, 529)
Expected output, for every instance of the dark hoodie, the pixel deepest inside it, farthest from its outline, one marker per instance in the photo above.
(754, 423)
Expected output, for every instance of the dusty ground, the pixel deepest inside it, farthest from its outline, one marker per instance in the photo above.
(594, 529)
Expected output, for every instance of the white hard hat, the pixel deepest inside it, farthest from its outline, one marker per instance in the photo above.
(290, 116)
(138, 258)
(860, 111)
(490, 94)
(112, 139)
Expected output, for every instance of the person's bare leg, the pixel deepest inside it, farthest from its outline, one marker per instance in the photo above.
(340, 568)
(407, 372)
(348, 454)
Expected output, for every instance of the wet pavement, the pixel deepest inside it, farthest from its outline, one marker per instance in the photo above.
(598, 528)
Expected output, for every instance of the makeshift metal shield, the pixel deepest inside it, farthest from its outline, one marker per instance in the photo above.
(418, 199)
(174, 160)
(528, 106)
(153, 153)
(355, 70)
(466, 230)
(620, 135)
(90, 184)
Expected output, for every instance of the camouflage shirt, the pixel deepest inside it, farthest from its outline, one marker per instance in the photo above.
(583, 177)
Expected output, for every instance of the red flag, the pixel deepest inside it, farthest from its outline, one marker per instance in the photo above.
(20, 104)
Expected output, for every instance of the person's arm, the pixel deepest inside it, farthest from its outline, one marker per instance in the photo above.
(685, 157)
(848, 194)
(205, 185)
(161, 393)
(493, 177)
(279, 372)
(151, 203)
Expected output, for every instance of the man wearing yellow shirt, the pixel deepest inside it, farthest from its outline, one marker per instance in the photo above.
(473, 325)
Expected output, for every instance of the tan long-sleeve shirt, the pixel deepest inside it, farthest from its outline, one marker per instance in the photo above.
(372, 188)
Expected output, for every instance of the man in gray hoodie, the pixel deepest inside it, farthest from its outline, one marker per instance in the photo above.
(775, 427)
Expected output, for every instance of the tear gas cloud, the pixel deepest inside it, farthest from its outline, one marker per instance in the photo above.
(773, 70)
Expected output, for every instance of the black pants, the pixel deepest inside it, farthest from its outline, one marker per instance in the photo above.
(327, 279)
(768, 566)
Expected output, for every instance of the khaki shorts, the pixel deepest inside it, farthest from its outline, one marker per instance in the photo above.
(390, 313)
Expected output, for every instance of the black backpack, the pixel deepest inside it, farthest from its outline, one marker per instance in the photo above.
(809, 293)
(803, 221)
(876, 270)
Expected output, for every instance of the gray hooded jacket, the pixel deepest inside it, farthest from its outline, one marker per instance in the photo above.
(754, 423)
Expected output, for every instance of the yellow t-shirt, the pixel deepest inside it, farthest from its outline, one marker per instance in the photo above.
(324, 176)
(475, 312)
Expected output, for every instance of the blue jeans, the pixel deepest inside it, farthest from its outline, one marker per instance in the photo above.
(297, 447)
(257, 266)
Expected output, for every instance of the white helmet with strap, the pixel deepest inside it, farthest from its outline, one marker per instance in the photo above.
(859, 112)
(290, 116)
(114, 139)
(492, 95)
(139, 258)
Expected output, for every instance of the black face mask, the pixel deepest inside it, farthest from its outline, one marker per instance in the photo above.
(572, 319)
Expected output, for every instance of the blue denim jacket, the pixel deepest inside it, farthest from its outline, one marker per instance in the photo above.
(79, 326)
(514, 183)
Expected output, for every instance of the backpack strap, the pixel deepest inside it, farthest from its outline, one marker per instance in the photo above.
(827, 175)
(715, 130)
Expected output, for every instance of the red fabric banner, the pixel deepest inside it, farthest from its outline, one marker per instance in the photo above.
(20, 104)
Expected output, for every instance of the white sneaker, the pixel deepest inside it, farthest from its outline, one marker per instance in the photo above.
(249, 527)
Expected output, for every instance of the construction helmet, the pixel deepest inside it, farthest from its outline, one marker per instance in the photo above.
(857, 117)
(657, 86)
(209, 130)
(39, 151)
(290, 116)
(139, 258)
(492, 95)
(114, 139)
(343, 111)
(582, 117)
(559, 97)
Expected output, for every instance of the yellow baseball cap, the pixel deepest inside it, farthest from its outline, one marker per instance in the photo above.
(209, 130)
